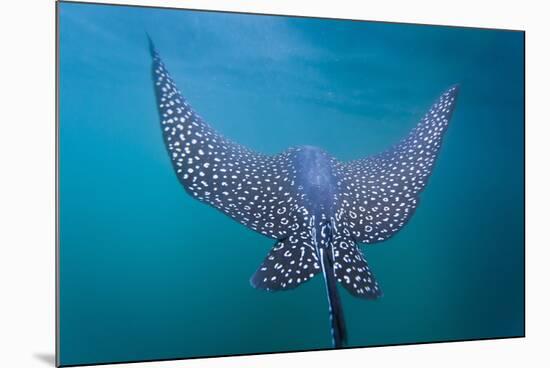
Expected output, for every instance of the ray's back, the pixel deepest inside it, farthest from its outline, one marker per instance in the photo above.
(316, 180)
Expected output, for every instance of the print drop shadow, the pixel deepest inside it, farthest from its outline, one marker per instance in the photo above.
(47, 358)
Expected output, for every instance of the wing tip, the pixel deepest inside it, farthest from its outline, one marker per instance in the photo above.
(152, 49)
(454, 89)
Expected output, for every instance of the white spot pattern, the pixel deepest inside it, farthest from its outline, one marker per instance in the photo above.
(366, 200)
(256, 190)
(380, 193)
(290, 263)
(351, 269)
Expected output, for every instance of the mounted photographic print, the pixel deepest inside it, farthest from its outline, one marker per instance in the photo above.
(234, 183)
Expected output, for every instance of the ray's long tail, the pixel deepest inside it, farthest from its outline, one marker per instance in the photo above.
(336, 313)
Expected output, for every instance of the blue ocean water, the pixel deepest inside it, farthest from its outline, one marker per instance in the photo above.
(146, 272)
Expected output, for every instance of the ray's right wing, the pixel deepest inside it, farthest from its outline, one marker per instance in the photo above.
(254, 189)
(381, 192)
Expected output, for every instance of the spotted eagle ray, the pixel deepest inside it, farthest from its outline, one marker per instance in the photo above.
(317, 208)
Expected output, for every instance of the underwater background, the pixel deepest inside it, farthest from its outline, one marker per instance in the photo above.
(147, 272)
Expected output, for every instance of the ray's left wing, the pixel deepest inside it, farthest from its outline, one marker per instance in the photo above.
(380, 193)
(254, 189)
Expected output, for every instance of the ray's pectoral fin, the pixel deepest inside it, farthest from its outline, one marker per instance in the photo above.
(290, 263)
(217, 171)
(382, 192)
(352, 271)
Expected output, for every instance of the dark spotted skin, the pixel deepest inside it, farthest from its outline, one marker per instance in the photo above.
(316, 207)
